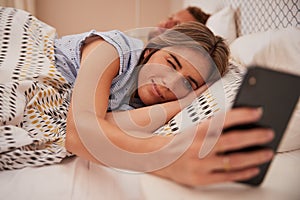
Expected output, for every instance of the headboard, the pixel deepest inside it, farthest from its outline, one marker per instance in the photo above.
(257, 15)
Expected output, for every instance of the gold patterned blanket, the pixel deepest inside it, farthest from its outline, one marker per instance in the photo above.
(34, 97)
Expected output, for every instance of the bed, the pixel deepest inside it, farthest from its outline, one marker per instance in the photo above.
(264, 33)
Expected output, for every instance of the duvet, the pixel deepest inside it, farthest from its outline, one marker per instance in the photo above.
(34, 97)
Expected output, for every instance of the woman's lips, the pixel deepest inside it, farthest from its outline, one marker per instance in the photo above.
(155, 90)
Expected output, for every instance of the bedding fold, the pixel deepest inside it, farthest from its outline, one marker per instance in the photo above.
(34, 96)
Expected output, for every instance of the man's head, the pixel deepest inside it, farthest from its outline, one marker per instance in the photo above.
(191, 13)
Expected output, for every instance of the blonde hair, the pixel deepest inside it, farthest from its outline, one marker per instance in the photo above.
(193, 35)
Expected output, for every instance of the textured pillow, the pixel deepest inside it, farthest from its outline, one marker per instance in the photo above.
(220, 95)
(223, 24)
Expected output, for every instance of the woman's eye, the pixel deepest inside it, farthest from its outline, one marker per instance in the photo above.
(187, 84)
(172, 64)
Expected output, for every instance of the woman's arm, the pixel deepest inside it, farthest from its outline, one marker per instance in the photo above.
(142, 118)
(100, 57)
(84, 137)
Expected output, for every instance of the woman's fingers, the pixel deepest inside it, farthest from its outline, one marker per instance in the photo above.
(240, 116)
(230, 141)
(231, 176)
(201, 89)
(243, 160)
(239, 139)
(234, 161)
(233, 167)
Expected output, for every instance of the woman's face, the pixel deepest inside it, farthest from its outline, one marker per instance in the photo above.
(171, 73)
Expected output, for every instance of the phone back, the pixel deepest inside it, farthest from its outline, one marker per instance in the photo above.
(277, 93)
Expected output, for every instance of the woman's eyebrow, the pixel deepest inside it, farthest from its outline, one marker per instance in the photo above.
(180, 66)
(176, 60)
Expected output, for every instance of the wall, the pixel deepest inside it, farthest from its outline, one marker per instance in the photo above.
(75, 16)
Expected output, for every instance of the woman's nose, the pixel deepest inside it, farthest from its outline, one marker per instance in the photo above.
(174, 82)
(173, 78)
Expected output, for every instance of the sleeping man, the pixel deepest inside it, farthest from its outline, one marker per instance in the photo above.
(188, 14)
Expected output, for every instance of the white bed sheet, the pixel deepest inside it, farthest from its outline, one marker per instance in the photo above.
(76, 178)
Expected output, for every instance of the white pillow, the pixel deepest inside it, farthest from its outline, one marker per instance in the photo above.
(223, 24)
(279, 50)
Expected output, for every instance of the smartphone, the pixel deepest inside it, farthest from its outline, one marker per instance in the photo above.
(277, 93)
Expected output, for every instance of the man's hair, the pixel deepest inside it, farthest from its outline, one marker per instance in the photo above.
(198, 14)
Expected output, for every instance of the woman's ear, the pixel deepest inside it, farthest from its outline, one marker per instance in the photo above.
(147, 52)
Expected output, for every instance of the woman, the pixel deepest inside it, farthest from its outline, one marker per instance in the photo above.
(104, 87)
(158, 89)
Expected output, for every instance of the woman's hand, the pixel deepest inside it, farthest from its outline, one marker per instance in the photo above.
(190, 170)
(187, 100)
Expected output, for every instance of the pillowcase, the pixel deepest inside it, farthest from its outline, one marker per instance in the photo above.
(277, 49)
(223, 24)
(222, 19)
